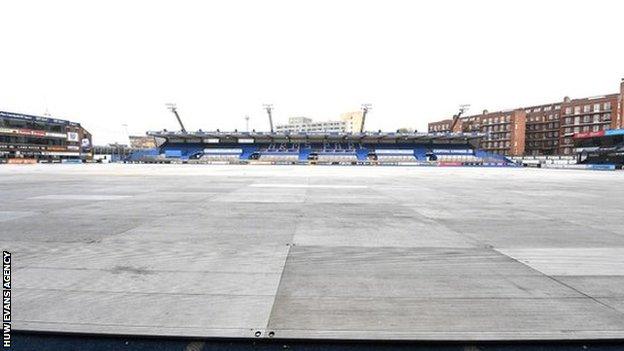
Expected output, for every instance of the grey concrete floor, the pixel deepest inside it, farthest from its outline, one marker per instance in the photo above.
(316, 252)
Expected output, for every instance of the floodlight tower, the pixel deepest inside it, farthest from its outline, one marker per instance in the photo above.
(174, 109)
(269, 109)
(247, 122)
(125, 129)
(462, 109)
(365, 109)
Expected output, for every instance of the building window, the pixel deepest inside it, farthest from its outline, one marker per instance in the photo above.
(596, 107)
(577, 110)
(607, 106)
(586, 108)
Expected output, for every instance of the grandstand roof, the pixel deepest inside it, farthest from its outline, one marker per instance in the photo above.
(33, 118)
(368, 137)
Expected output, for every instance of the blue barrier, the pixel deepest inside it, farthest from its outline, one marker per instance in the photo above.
(614, 132)
(71, 160)
(601, 167)
(173, 153)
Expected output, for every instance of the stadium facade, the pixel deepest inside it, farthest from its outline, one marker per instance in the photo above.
(444, 149)
(546, 129)
(602, 147)
(31, 139)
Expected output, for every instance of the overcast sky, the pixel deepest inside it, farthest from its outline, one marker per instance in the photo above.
(110, 63)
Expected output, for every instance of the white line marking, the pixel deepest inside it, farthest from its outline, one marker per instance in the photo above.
(327, 186)
(9, 215)
(80, 197)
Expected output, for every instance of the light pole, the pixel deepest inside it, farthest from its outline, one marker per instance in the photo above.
(269, 109)
(125, 128)
(462, 109)
(173, 108)
(365, 109)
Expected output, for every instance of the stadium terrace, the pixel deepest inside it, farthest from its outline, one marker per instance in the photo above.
(321, 148)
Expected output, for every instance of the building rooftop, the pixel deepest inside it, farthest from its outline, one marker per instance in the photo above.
(33, 118)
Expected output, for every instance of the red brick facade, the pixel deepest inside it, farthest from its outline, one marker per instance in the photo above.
(544, 129)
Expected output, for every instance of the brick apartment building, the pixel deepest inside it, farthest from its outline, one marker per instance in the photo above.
(544, 129)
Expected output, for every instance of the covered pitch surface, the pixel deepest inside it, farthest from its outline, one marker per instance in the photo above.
(315, 252)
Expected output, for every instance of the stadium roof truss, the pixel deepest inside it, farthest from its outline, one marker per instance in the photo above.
(367, 137)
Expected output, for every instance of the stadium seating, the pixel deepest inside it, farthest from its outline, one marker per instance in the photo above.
(459, 158)
(336, 152)
(280, 157)
(219, 158)
(143, 155)
(280, 153)
(399, 155)
(337, 158)
(304, 154)
(395, 158)
(373, 148)
(248, 151)
(489, 157)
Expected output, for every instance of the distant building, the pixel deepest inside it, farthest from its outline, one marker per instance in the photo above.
(546, 129)
(353, 121)
(142, 142)
(350, 122)
(114, 152)
(299, 120)
(28, 139)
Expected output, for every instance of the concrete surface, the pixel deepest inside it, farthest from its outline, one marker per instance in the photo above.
(316, 252)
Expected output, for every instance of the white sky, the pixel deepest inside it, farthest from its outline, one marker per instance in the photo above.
(110, 63)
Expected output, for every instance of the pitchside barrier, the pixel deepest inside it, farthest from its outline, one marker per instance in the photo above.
(595, 167)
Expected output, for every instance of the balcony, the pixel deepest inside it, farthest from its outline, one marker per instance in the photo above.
(563, 114)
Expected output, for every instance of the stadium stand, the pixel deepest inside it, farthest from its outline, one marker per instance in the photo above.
(337, 158)
(393, 156)
(544, 161)
(450, 149)
(219, 155)
(279, 157)
(144, 155)
(32, 139)
(278, 153)
(600, 148)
